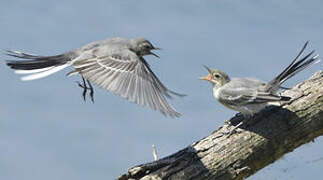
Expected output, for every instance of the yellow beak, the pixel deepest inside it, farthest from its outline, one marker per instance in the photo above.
(207, 78)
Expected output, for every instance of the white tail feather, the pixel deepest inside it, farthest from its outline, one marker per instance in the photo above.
(32, 71)
(45, 73)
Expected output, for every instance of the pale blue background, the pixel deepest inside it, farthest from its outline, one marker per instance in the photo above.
(48, 132)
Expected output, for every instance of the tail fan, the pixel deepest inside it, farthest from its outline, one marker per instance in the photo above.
(293, 68)
(37, 66)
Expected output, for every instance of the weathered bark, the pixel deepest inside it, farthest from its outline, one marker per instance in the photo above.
(269, 135)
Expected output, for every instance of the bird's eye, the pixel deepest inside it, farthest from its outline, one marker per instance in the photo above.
(146, 46)
(216, 76)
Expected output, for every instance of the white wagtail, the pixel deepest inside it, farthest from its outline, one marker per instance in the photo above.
(115, 64)
(249, 96)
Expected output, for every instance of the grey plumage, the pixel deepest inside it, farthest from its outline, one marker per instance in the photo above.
(249, 96)
(115, 64)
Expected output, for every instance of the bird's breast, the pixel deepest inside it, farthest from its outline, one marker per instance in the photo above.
(216, 93)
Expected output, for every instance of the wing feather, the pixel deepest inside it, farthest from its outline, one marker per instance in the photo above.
(128, 76)
(244, 96)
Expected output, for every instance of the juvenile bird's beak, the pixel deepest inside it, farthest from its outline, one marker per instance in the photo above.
(208, 69)
(207, 78)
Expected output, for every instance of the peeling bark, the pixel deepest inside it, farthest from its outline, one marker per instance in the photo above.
(268, 136)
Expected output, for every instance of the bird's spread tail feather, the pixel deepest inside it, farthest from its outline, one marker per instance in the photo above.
(37, 66)
(295, 67)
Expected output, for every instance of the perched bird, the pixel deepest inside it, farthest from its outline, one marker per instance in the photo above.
(115, 64)
(249, 96)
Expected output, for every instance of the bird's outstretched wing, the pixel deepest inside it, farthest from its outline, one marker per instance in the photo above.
(125, 74)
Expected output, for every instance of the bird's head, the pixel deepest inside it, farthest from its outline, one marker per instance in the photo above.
(142, 47)
(216, 77)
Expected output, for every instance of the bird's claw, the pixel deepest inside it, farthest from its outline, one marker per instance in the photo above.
(91, 96)
(85, 88)
(79, 84)
(82, 86)
(230, 129)
(91, 91)
(84, 94)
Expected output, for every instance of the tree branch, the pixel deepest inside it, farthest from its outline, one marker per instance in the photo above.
(268, 135)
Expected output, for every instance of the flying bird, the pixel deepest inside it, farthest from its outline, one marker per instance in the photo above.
(249, 96)
(115, 64)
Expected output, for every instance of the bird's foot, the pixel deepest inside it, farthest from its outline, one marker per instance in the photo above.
(85, 88)
(230, 129)
(91, 91)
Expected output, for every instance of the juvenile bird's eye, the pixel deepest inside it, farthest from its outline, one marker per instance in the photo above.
(216, 76)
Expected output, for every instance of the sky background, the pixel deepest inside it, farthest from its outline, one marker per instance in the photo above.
(48, 132)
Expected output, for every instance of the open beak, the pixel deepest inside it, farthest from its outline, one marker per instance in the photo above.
(207, 78)
(154, 53)
(208, 69)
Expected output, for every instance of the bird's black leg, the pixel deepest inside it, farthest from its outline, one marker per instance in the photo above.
(91, 90)
(84, 88)
(231, 129)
